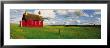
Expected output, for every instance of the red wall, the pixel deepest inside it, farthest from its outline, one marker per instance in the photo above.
(31, 23)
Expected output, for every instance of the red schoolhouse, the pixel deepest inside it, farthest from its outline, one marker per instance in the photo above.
(31, 20)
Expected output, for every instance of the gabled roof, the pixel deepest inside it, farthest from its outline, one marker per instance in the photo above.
(27, 16)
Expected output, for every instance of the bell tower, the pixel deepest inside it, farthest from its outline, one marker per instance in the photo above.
(39, 13)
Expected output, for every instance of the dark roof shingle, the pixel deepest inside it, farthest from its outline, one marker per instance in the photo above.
(31, 16)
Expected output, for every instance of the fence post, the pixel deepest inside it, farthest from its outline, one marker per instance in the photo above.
(59, 33)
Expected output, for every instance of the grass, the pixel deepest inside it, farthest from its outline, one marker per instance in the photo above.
(55, 32)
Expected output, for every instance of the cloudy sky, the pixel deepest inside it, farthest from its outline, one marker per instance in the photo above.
(61, 16)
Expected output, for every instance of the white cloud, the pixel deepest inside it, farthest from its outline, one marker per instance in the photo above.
(78, 21)
(80, 13)
(46, 13)
(66, 12)
(16, 15)
(62, 12)
(71, 10)
(91, 16)
(16, 20)
(86, 15)
(97, 12)
(99, 19)
(54, 19)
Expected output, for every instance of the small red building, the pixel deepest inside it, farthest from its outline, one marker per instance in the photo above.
(31, 20)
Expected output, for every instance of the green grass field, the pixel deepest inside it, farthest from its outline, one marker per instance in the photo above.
(55, 32)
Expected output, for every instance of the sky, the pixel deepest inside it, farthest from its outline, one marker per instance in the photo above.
(61, 16)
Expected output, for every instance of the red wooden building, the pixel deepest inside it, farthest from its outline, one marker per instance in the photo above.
(31, 20)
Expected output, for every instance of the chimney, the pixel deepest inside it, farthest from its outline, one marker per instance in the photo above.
(25, 12)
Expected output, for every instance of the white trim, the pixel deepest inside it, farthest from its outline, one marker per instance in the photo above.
(102, 41)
